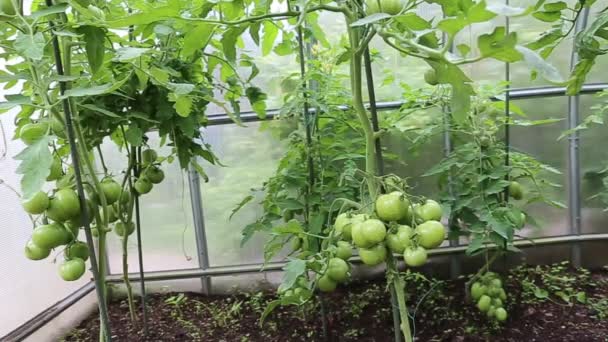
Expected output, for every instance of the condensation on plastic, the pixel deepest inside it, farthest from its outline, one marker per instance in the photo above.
(250, 155)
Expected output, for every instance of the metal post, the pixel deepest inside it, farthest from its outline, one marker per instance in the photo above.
(199, 226)
(455, 268)
(574, 195)
(507, 127)
(99, 285)
(136, 154)
(380, 165)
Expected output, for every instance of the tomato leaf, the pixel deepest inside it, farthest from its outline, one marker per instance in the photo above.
(269, 308)
(293, 270)
(14, 101)
(370, 19)
(270, 35)
(537, 63)
(55, 9)
(197, 39)
(240, 206)
(30, 46)
(94, 38)
(128, 53)
(35, 166)
(95, 90)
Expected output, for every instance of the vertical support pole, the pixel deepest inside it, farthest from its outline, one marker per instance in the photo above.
(136, 152)
(380, 165)
(67, 111)
(574, 179)
(199, 226)
(507, 125)
(455, 267)
(309, 122)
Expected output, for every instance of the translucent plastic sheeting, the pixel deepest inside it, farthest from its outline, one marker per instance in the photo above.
(28, 287)
(168, 236)
(541, 142)
(529, 29)
(594, 160)
(250, 155)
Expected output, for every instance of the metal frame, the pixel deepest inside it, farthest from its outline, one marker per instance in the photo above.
(199, 226)
(574, 165)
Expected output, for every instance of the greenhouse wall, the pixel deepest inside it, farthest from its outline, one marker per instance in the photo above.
(188, 231)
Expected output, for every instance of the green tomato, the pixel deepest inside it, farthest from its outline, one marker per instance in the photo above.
(397, 242)
(50, 236)
(154, 174)
(337, 269)
(497, 302)
(430, 234)
(326, 284)
(501, 314)
(494, 291)
(37, 204)
(502, 295)
(392, 207)
(149, 156)
(373, 256)
(477, 290)
(392, 7)
(119, 228)
(63, 206)
(496, 282)
(430, 211)
(57, 128)
(111, 190)
(484, 303)
(373, 231)
(516, 190)
(72, 269)
(31, 132)
(344, 250)
(296, 244)
(342, 221)
(357, 235)
(78, 249)
(415, 257)
(34, 252)
(430, 77)
(56, 170)
(143, 185)
(491, 311)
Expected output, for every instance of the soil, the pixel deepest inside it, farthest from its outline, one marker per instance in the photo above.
(548, 303)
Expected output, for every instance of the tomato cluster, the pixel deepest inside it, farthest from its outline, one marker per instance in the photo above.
(388, 230)
(62, 212)
(490, 296)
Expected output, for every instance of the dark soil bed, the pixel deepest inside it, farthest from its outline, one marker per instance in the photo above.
(549, 303)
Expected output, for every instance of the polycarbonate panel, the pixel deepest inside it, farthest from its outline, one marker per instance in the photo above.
(250, 156)
(28, 287)
(594, 160)
(168, 236)
(598, 73)
(541, 142)
(529, 29)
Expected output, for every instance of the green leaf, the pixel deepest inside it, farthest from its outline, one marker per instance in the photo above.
(100, 110)
(148, 16)
(579, 75)
(229, 41)
(292, 271)
(413, 21)
(452, 26)
(479, 13)
(555, 6)
(94, 46)
(134, 135)
(55, 9)
(270, 35)
(35, 166)
(370, 19)
(257, 98)
(269, 308)
(197, 39)
(537, 63)
(546, 16)
(14, 101)
(183, 106)
(30, 46)
(95, 90)
(240, 206)
(499, 45)
(540, 293)
(203, 174)
(289, 203)
(128, 53)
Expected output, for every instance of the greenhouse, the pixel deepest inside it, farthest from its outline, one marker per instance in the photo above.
(347, 170)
